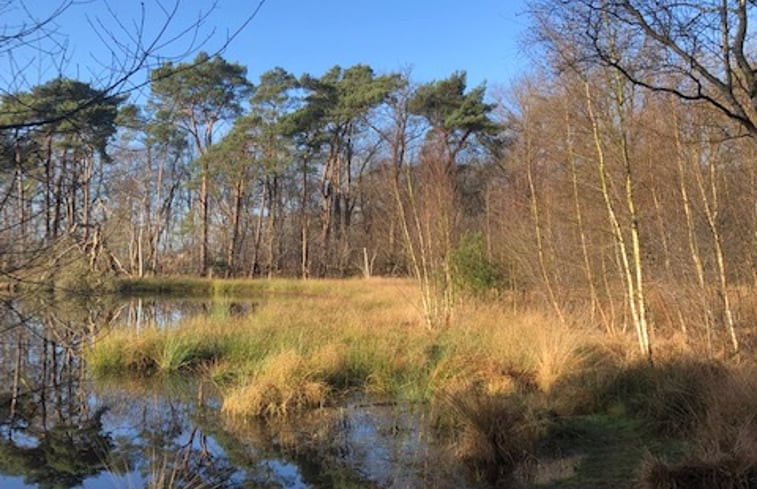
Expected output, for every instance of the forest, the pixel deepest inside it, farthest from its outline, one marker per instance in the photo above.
(612, 188)
(623, 188)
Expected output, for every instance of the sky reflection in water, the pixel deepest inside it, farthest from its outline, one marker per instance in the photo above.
(60, 430)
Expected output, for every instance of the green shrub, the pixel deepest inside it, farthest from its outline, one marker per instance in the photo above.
(473, 272)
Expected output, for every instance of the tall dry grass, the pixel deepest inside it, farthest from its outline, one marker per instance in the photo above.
(722, 430)
(333, 336)
(496, 376)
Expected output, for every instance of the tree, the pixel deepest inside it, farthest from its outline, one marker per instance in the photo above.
(31, 40)
(55, 164)
(269, 106)
(196, 97)
(698, 51)
(337, 104)
(453, 115)
(454, 119)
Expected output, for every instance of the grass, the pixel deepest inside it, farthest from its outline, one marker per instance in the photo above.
(178, 470)
(154, 350)
(509, 387)
(181, 286)
(346, 335)
(496, 435)
(321, 339)
(602, 450)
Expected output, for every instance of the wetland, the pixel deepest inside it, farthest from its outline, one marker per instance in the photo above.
(338, 383)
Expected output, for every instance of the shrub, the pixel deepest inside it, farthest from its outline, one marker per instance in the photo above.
(473, 272)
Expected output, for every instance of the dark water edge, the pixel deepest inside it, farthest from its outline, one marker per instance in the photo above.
(60, 430)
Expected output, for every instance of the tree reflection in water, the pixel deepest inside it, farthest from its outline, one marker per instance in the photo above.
(50, 434)
(58, 430)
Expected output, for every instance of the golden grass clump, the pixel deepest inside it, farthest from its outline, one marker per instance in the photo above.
(281, 386)
(495, 435)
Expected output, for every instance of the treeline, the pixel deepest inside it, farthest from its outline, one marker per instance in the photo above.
(298, 185)
(583, 188)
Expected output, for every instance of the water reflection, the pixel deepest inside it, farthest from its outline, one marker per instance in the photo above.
(140, 312)
(59, 430)
(50, 434)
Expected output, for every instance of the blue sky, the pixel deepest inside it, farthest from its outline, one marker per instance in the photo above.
(434, 38)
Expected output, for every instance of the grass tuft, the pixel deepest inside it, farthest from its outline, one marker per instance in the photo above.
(282, 386)
(495, 434)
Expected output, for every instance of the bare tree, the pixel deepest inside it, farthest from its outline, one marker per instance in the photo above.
(698, 51)
(37, 41)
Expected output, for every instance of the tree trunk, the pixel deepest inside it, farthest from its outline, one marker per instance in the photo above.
(204, 217)
(690, 232)
(304, 223)
(20, 197)
(255, 265)
(272, 223)
(235, 220)
(711, 211)
(327, 215)
(535, 215)
(593, 294)
(632, 271)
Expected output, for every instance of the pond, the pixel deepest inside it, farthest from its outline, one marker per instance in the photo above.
(61, 429)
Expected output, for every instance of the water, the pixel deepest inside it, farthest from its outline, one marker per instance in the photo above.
(60, 429)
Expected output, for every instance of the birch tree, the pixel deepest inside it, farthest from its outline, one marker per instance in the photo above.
(697, 51)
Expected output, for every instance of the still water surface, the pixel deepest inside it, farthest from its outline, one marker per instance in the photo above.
(60, 429)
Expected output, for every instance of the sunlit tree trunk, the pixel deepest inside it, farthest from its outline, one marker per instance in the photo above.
(631, 267)
(407, 213)
(690, 230)
(528, 157)
(638, 295)
(708, 192)
(664, 236)
(594, 296)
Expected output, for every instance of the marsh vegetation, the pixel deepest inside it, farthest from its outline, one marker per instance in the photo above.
(549, 285)
(512, 391)
(327, 383)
